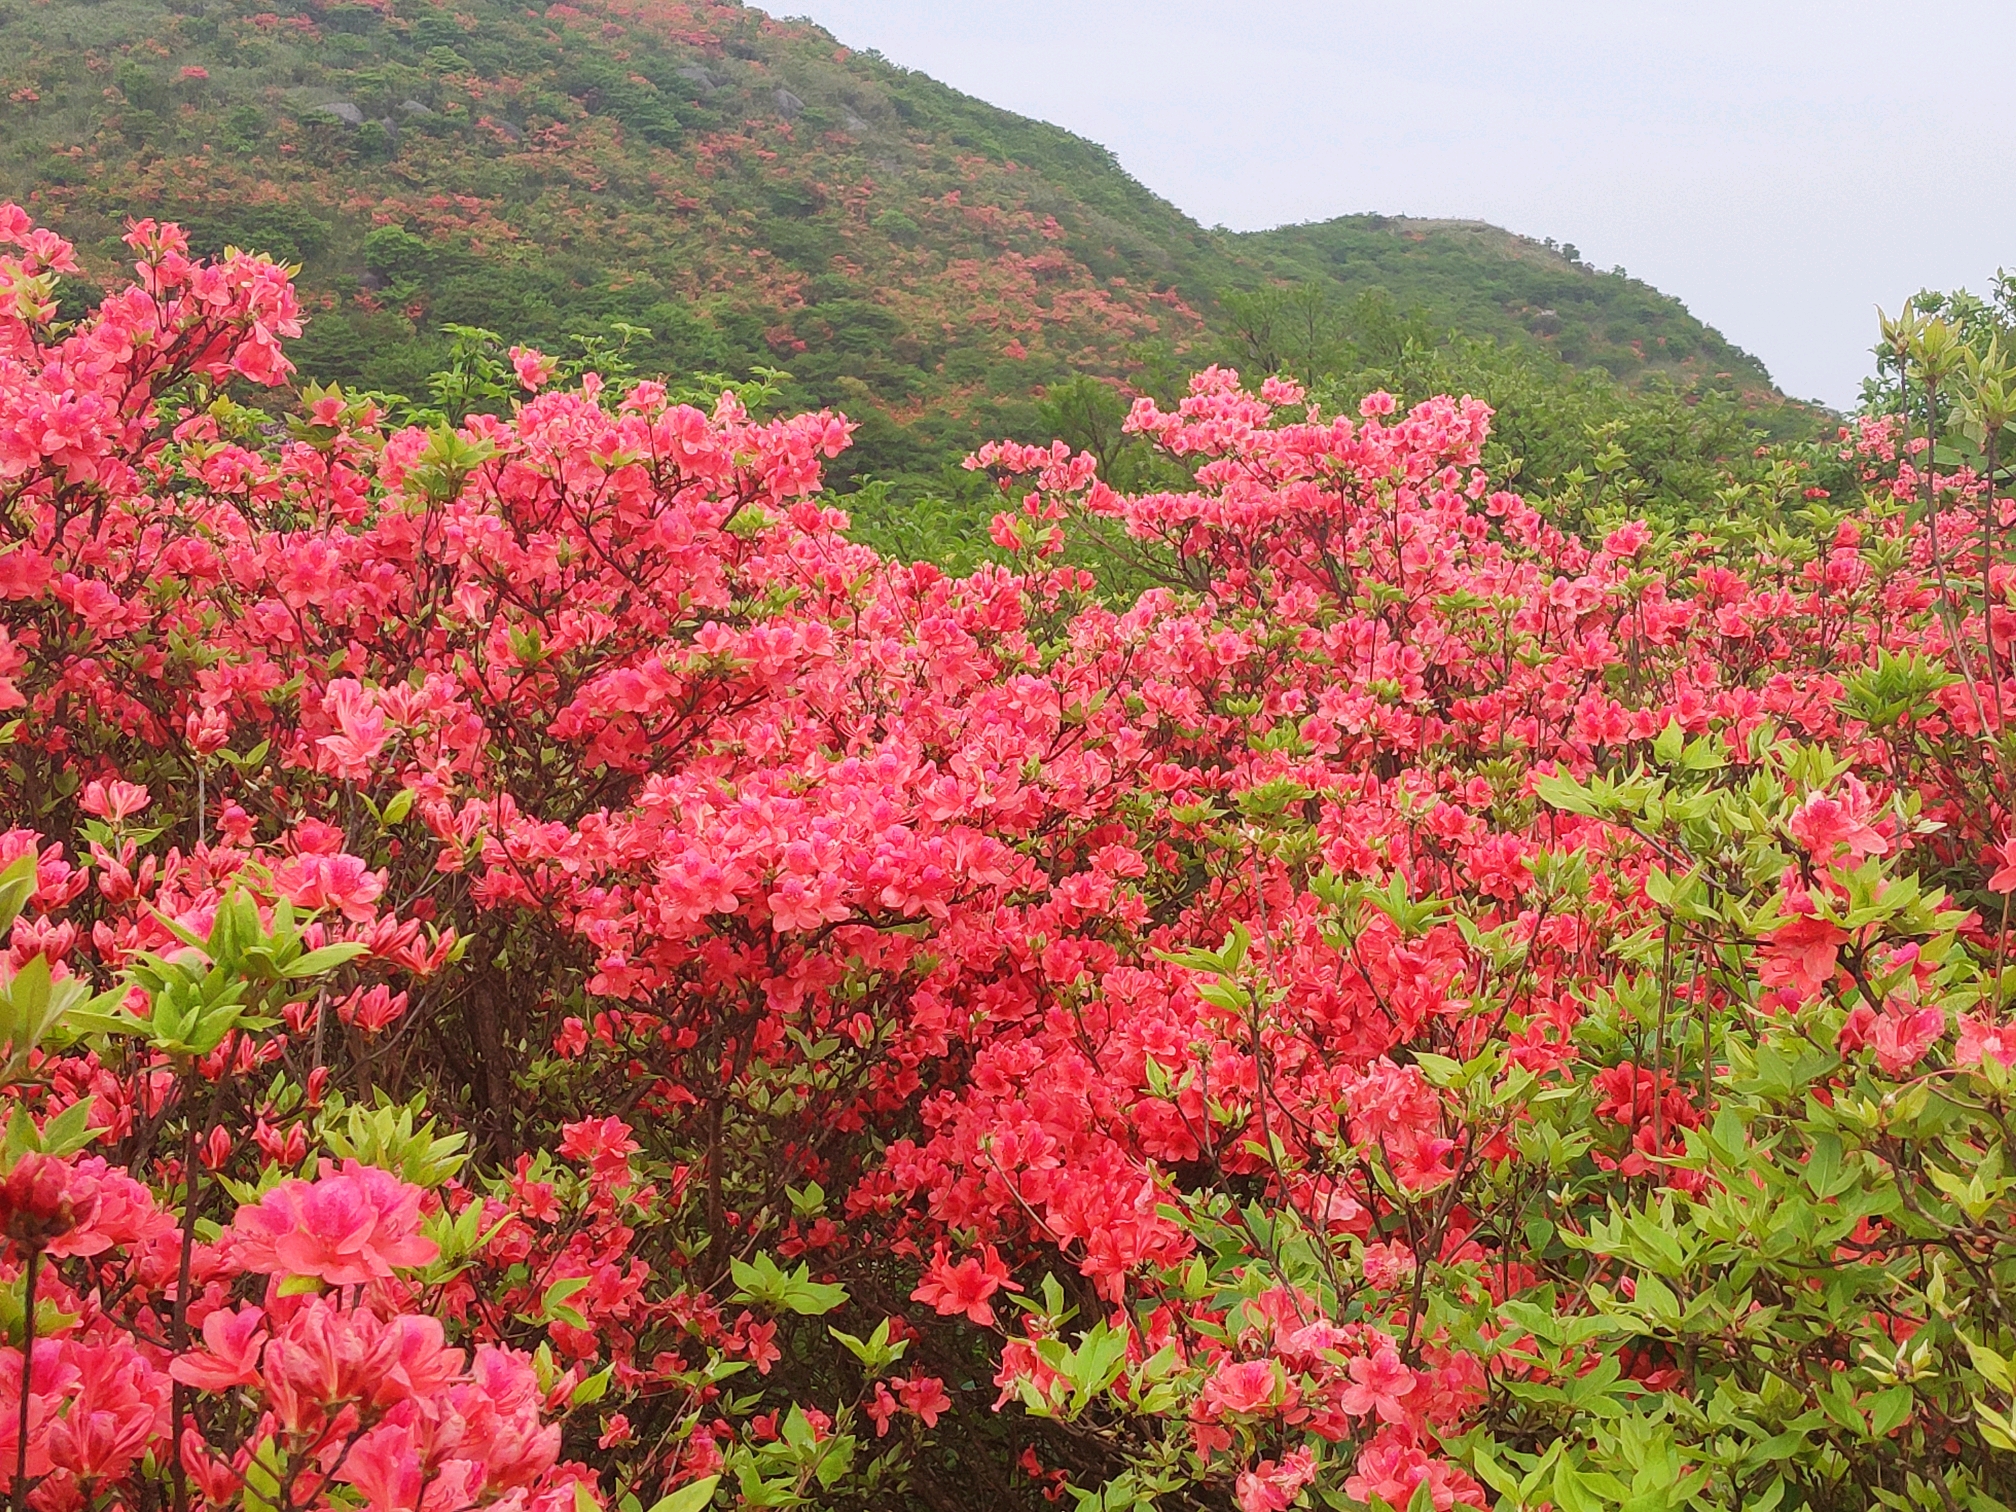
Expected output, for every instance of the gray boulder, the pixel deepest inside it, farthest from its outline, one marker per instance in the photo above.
(345, 112)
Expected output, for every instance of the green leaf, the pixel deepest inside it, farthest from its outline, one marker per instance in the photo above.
(17, 886)
(265, 1473)
(1823, 1164)
(1994, 1369)
(1889, 1409)
(764, 1282)
(688, 1498)
(70, 1130)
(328, 958)
(593, 1389)
(1656, 1301)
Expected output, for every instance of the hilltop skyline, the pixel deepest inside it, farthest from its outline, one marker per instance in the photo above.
(1746, 159)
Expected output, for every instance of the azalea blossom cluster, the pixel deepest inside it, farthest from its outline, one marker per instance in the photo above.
(335, 1376)
(579, 980)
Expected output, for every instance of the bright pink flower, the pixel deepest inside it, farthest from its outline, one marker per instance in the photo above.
(758, 1340)
(385, 1468)
(113, 801)
(1272, 1486)
(328, 1355)
(1391, 1469)
(1900, 1036)
(1831, 826)
(2004, 855)
(41, 1203)
(924, 1397)
(604, 1143)
(1982, 1040)
(233, 1340)
(964, 1287)
(361, 730)
(1380, 1382)
(116, 1406)
(113, 1211)
(345, 883)
(372, 1009)
(1247, 1386)
(533, 367)
(882, 1409)
(1628, 539)
(356, 1225)
(1801, 956)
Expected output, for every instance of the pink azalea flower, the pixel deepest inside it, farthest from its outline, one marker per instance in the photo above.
(357, 1225)
(1380, 1383)
(964, 1287)
(233, 1340)
(1801, 956)
(1833, 827)
(1982, 1040)
(1273, 1485)
(1247, 1386)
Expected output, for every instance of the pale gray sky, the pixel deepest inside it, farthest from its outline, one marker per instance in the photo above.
(1783, 166)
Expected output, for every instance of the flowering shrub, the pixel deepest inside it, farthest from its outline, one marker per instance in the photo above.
(541, 974)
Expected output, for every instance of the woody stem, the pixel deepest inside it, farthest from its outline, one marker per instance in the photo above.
(20, 1497)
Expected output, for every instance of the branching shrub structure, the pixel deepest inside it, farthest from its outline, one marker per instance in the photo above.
(543, 975)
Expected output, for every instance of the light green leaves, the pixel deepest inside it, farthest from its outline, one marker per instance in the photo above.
(220, 982)
(394, 1137)
(65, 1134)
(37, 1008)
(763, 1283)
(688, 1498)
(876, 1352)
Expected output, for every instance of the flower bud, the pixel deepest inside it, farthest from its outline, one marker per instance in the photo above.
(217, 1147)
(36, 1204)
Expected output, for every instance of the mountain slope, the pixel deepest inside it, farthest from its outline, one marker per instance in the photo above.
(748, 189)
(1488, 282)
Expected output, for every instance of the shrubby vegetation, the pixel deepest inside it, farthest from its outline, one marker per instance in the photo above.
(1592, 451)
(543, 973)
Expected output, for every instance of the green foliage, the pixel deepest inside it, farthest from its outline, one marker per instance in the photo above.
(1493, 285)
(942, 271)
(1804, 1310)
(766, 1284)
(397, 1137)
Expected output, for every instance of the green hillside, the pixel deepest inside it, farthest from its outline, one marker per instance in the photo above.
(1488, 282)
(750, 192)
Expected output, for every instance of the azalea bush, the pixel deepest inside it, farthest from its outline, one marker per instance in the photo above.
(541, 973)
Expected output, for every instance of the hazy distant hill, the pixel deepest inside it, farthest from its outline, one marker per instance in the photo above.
(1488, 282)
(749, 189)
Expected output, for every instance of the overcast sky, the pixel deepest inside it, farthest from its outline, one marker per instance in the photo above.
(1784, 167)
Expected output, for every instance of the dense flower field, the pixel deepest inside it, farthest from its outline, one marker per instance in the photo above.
(544, 976)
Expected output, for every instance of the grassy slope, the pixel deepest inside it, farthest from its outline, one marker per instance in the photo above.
(1488, 282)
(747, 188)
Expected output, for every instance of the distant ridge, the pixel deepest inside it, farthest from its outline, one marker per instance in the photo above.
(749, 189)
